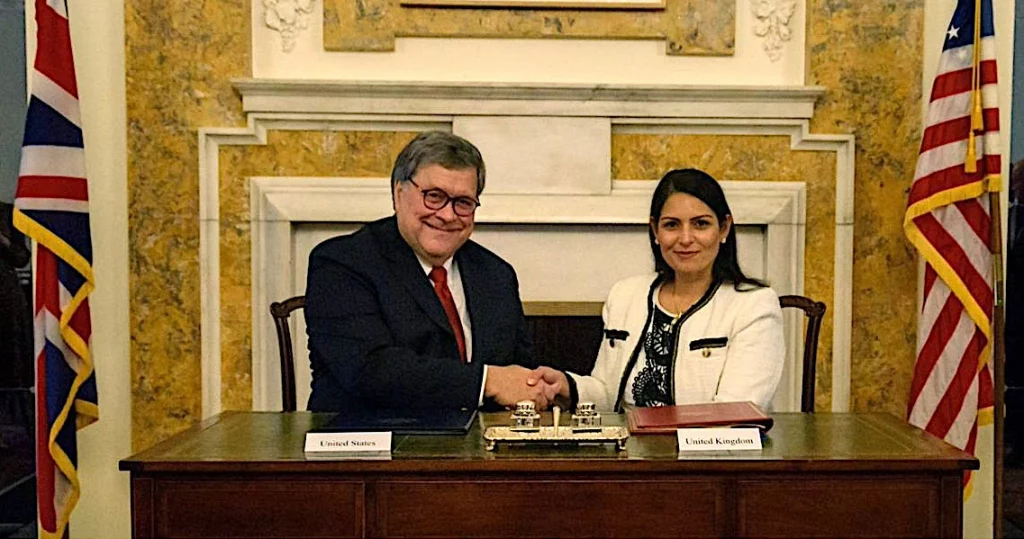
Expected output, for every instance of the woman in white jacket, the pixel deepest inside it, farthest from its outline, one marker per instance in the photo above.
(697, 330)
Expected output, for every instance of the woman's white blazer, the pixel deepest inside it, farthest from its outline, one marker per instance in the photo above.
(730, 348)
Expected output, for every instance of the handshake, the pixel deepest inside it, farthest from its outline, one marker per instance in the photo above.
(510, 384)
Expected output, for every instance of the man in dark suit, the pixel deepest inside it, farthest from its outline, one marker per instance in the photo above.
(407, 312)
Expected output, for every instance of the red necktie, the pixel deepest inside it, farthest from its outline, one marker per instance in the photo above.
(439, 276)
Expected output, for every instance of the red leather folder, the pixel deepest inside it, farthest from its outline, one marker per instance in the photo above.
(666, 419)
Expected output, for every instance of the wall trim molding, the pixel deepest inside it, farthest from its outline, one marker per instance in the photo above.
(469, 98)
(283, 105)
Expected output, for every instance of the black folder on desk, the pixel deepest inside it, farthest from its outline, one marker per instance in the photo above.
(422, 421)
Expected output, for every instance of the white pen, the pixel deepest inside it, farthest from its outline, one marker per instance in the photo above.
(556, 411)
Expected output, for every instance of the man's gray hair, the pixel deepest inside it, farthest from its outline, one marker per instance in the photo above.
(438, 148)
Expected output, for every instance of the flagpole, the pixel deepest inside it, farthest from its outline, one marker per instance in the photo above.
(996, 243)
(996, 246)
(998, 362)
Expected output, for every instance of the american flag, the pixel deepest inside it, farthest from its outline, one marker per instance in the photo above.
(948, 220)
(52, 208)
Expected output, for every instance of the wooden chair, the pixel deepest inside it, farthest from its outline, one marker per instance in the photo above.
(815, 312)
(282, 312)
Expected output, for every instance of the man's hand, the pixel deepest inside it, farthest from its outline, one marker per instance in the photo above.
(551, 378)
(509, 385)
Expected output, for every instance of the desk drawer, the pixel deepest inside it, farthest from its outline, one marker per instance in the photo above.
(549, 508)
(257, 508)
(839, 507)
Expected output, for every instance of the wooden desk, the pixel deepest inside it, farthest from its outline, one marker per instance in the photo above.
(819, 475)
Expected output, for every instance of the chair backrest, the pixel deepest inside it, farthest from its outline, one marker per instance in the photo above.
(815, 312)
(282, 312)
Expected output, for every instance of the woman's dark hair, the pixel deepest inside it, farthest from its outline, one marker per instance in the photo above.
(703, 187)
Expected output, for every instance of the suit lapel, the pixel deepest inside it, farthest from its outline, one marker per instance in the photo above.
(475, 287)
(406, 269)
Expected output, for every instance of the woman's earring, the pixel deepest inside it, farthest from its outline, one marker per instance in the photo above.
(723, 241)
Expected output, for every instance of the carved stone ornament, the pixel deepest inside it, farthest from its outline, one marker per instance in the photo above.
(772, 24)
(287, 17)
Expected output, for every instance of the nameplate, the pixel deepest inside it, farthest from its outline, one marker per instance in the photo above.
(348, 442)
(719, 439)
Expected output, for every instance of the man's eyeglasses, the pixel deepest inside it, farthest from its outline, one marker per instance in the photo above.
(436, 199)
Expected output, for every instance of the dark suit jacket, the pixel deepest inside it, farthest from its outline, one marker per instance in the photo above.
(378, 336)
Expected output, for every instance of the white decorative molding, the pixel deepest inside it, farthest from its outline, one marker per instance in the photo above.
(348, 106)
(287, 17)
(360, 200)
(772, 24)
(514, 99)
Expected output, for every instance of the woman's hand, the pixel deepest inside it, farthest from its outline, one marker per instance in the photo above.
(551, 377)
(510, 384)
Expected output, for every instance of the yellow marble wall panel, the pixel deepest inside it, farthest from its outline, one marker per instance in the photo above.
(180, 58)
(689, 27)
(754, 158)
(235, 315)
(305, 154)
(868, 57)
(819, 264)
(308, 154)
(159, 185)
(165, 331)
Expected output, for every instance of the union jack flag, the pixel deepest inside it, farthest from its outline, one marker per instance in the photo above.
(52, 208)
(949, 221)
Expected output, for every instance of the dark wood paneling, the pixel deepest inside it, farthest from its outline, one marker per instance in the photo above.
(840, 507)
(686, 508)
(952, 518)
(142, 508)
(568, 343)
(218, 507)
